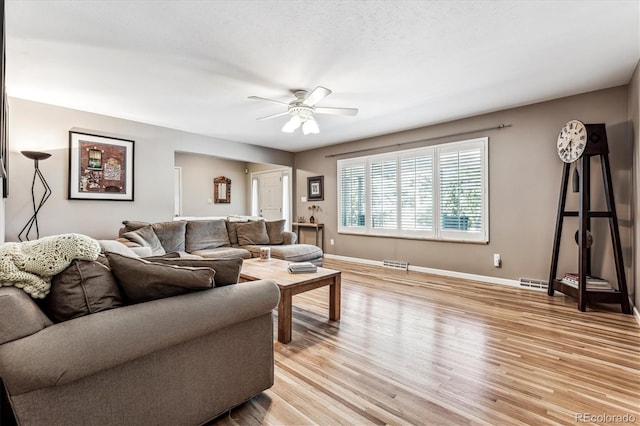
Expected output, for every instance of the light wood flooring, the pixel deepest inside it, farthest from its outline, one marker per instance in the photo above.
(414, 348)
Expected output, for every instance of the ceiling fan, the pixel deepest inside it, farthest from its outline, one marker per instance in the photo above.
(302, 109)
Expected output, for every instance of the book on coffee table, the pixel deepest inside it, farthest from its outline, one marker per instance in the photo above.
(301, 268)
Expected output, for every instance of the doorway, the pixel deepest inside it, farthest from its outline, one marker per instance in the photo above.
(271, 195)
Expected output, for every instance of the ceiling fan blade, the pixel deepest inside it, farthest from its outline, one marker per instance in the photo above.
(337, 111)
(316, 95)
(273, 115)
(267, 99)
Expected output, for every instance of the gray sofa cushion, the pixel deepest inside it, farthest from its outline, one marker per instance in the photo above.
(227, 270)
(141, 280)
(232, 231)
(119, 247)
(291, 253)
(132, 225)
(206, 234)
(21, 316)
(145, 237)
(171, 234)
(275, 231)
(84, 288)
(252, 233)
(224, 253)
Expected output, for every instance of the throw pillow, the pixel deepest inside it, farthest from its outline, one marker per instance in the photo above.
(141, 280)
(84, 288)
(275, 230)
(116, 247)
(146, 237)
(171, 234)
(132, 225)
(227, 270)
(172, 255)
(252, 233)
(232, 232)
(206, 234)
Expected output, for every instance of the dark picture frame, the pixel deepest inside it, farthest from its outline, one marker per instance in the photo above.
(100, 167)
(4, 108)
(222, 190)
(315, 188)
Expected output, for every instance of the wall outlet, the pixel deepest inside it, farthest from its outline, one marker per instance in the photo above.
(209, 201)
(331, 242)
(303, 199)
(497, 261)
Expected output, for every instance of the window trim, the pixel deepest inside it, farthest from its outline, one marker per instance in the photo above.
(436, 233)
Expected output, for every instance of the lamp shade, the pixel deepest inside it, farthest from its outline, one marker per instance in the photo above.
(36, 155)
(310, 126)
(291, 125)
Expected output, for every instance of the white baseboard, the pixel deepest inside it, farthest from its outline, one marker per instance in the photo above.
(454, 274)
(443, 272)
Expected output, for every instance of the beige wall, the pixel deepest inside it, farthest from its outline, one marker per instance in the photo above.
(41, 127)
(198, 172)
(524, 183)
(634, 127)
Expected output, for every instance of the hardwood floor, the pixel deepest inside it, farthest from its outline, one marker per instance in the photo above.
(414, 348)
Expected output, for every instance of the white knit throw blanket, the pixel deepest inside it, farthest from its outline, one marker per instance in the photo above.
(30, 265)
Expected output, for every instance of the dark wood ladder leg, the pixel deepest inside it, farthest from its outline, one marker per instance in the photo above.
(615, 235)
(558, 233)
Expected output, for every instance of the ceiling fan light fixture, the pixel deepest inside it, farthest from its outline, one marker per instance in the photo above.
(302, 109)
(291, 125)
(310, 126)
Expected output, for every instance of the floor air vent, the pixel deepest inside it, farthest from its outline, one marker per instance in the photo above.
(533, 283)
(396, 264)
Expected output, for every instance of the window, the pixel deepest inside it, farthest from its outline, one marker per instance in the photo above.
(437, 192)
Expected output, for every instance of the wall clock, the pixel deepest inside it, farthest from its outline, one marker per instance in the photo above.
(572, 141)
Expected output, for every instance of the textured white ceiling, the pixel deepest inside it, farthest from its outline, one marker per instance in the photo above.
(191, 65)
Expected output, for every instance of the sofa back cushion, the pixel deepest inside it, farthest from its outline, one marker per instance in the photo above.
(132, 225)
(227, 270)
(206, 234)
(232, 231)
(252, 233)
(275, 230)
(171, 234)
(84, 288)
(118, 246)
(145, 237)
(141, 280)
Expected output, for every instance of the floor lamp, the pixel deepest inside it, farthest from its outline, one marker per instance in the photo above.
(36, 156)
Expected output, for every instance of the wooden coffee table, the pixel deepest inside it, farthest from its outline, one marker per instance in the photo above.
(291, 284)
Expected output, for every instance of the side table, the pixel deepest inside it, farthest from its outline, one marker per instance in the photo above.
(316, 226)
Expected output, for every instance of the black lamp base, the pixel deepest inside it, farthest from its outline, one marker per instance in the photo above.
(45, 196)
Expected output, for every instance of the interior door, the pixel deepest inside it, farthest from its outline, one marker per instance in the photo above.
(270, 195)
(177, 191)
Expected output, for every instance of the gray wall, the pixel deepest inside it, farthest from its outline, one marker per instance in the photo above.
(634, 119)
(198, 172)
(524, 183)
(42, 127)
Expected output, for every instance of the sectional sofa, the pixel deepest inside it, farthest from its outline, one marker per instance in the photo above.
(217, 239)
(125, 341)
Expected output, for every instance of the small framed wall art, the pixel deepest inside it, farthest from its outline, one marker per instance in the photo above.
(222, 190)
(100, 167)
(315, 188)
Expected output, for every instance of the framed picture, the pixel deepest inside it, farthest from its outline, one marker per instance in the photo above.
(100, 167)
(315, 188)
(222, 190)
